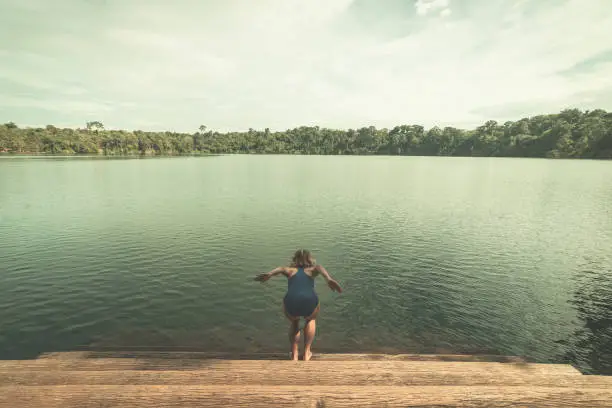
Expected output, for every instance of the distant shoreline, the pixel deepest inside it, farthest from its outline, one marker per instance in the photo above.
(570, 134)
(159, 156)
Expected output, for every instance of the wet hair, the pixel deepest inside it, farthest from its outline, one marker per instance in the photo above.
(302, 259)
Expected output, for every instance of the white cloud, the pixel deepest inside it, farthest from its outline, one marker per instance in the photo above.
(423, 7)
(59, 105)
(285, 63)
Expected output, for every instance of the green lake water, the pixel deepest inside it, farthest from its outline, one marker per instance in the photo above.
(466, 255)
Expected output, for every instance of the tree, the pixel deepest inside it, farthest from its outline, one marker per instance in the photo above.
(570, 133)
(95, 126)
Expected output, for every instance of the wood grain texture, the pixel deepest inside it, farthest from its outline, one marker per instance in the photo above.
(106, 396)
(272, 366)
(186, 379)
(280, 356)
(292, 375)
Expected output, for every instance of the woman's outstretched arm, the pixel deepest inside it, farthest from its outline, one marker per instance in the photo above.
(333, 285)
(262, 277)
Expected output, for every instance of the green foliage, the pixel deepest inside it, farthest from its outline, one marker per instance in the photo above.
(569, 134)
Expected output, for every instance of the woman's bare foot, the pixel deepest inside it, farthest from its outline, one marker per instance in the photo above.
(307, 355)
(294, 356)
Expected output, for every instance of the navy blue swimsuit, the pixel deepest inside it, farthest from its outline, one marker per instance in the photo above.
(301, 299)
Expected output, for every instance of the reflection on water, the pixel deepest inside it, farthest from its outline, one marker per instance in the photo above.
(96, 157)
(590, 346)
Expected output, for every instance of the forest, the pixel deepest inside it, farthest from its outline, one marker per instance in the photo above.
(572, 133)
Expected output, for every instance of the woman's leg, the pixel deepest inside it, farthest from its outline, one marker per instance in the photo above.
(294, 334)
(309, 333)
(294, 338)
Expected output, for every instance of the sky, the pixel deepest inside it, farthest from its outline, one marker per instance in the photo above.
(239, 64)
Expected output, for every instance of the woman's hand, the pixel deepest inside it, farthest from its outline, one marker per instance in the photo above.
(262, 277)
(335, 286)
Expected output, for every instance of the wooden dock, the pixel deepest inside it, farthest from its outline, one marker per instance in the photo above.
(190, 380)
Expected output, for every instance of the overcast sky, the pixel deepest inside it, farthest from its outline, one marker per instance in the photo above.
(235, 64)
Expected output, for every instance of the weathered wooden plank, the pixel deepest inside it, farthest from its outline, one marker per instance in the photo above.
(281, 356)
(78, 396)
(271, 366)
(301, 374)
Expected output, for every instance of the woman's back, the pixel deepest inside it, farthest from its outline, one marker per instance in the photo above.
(301, 299)
(300, 284)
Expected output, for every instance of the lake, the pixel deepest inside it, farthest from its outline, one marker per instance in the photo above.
(459, 255)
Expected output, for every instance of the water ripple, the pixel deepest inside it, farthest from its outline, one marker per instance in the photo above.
(511, 258)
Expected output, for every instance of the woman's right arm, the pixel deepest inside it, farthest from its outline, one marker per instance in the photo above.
(333, 285)
(262, 277)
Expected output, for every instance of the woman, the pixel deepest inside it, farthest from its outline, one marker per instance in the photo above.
(301, 299)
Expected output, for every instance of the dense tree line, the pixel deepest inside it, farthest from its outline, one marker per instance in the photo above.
(569, 134)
